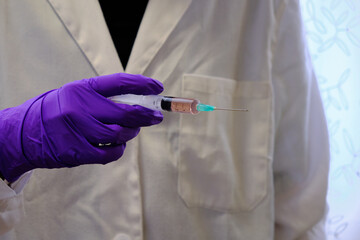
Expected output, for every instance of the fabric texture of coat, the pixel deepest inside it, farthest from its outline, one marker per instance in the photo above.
(222, 175)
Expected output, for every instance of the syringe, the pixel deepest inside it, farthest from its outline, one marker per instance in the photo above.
(171, 104)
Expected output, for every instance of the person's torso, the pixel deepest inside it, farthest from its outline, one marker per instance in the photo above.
(191, 177)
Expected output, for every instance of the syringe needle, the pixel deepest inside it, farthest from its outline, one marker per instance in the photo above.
(231, 109)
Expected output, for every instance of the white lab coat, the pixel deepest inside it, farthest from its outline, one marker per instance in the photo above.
(222, 175)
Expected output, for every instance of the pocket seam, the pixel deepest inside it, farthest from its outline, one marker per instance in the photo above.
(221, 86)
(265, 162)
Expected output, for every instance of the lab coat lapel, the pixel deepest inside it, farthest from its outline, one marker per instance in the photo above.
(160, 19)
(85, 23)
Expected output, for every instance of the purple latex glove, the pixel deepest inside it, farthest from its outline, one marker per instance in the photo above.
(64, 127)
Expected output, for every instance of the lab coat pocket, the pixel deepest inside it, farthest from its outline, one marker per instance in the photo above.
(224, 156)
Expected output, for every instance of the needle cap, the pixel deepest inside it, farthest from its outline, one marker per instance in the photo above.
(204, 108)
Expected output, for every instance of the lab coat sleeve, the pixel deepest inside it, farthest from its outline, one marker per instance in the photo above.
(301, 151)
(11, 203)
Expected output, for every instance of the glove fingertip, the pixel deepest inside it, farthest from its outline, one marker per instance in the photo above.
(158, 117)
(123, 83)
(155, 87)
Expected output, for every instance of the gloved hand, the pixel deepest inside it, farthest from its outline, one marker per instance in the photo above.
(74, 125)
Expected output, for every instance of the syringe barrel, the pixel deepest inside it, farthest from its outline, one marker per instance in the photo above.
(183, 105)
(149, 101)
(160, 103)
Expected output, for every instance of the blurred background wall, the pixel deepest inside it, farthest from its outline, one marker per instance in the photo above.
(333, 33)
